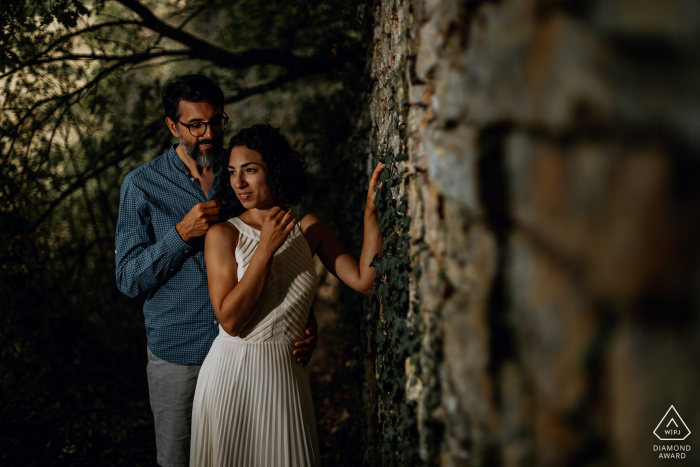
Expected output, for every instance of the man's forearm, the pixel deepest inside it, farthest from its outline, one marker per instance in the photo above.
(141, 267)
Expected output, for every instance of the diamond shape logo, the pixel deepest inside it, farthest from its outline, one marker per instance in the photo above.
(672, 427)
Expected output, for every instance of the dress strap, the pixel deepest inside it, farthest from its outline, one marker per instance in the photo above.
(248, 231)
(245, 229)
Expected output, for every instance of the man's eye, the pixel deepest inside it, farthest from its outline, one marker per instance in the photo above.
(195, 125)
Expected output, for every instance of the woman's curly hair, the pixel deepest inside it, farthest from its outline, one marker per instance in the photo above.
(286, 169)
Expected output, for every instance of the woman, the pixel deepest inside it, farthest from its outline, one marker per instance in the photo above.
(252, 405)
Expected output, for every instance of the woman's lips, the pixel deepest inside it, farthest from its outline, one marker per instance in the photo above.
(243, 196)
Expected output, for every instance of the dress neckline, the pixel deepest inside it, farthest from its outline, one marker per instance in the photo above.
(255, 233)
(245, 228)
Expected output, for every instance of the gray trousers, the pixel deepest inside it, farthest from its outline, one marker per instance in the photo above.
(171, 388)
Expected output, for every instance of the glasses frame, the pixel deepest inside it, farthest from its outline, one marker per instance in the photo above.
(189, 125)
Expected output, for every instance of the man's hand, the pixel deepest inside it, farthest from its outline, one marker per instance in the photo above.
(305, 348)
(198, 220)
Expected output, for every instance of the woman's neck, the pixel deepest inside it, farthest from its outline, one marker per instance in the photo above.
(256, 216)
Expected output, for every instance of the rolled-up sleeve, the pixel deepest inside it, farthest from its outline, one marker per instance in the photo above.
(142, 262)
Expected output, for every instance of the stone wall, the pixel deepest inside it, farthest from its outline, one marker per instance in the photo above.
(553, 186)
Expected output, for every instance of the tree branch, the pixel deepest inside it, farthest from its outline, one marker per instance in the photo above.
(92, 28)
(135, 58)
(222, 57)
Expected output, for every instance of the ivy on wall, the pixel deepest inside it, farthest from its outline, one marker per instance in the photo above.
(395, 340)
(397, 337)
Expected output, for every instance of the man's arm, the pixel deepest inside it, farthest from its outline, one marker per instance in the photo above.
(142, 262)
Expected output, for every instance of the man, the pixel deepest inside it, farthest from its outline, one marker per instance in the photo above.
(165, 209)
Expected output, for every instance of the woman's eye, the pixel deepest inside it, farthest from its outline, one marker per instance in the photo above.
(250, 170)
(232, 173)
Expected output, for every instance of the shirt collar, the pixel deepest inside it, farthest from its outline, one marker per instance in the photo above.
(177, 162)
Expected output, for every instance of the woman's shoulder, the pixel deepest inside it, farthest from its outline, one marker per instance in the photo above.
(315, 230)
(308, 220)
(221, 231)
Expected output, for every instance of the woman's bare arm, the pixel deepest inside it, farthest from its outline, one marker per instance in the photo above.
(358, 275)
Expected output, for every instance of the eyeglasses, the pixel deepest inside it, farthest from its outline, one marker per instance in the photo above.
(198, 129)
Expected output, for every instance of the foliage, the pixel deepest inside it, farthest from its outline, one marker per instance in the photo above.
(406, 337)
(396, 335)
(80, 100)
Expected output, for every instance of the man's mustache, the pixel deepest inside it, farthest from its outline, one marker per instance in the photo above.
(214, 141)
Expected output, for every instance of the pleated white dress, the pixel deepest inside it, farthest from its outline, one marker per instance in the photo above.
(252, 406)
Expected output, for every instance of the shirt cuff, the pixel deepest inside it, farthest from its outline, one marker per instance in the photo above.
(175, 243)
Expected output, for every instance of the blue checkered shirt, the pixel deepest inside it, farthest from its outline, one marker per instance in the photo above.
(153, 260)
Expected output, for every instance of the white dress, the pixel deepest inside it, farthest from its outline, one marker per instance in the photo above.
(252, 406)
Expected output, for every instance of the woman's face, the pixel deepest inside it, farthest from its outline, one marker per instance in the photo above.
(248, 174)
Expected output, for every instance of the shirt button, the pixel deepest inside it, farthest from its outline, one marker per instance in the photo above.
(171, 269)
(216, 322)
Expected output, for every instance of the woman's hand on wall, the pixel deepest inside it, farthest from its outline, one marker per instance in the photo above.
(370, 208)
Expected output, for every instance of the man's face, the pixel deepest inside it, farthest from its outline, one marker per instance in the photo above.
(205, 150)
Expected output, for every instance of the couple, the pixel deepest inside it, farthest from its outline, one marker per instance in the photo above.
(242, 297)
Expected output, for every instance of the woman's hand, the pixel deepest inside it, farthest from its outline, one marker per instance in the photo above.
(275, 229)
(370, 208)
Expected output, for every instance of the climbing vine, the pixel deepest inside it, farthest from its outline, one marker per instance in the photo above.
(406, 338)
(395, 340)
(396, 335)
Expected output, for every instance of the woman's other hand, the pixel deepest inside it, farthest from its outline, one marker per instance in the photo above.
(370, 208)
(275, 229)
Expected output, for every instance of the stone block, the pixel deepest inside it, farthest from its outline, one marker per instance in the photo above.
(554, 322)
(430, 285)
(432, 207)
(452, 158)
(471, 255)
(416, 152)
(675, 20)
(418, 119)
(432, 35)
(420, 94)
(414, 385)
(551, 72)
(499, 39)
(556, 329)
(470, 417)
(565, 75)
(598, 208)
(450, 98)
(416, 209)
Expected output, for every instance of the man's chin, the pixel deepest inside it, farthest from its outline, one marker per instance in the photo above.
(206, 160)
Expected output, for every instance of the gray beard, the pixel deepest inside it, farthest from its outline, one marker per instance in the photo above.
(204, 160)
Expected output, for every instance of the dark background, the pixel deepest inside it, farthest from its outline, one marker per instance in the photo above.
(81, 108)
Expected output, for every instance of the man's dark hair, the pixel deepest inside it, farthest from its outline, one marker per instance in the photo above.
(286, 168)
(190, 88)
